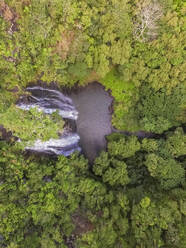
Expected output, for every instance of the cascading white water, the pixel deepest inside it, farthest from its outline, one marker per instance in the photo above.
(66, 145)
(48, 101)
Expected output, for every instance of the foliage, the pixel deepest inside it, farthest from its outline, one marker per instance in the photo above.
(46, 201)
(112, 170)
(157, 111)
(124, 148)
(134, 193)
(169, 172)
(150, 218)
(76, 41)
(32, 124)
(36, 199)
(176, 144)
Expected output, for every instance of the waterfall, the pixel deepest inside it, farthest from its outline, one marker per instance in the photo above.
(66, 145)
(48, 101)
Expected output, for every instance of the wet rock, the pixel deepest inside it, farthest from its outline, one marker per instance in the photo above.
(65, 145)
(6, 135)
(48, 101)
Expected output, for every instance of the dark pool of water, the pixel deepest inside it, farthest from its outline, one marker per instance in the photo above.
(94, 120)
(87, 113)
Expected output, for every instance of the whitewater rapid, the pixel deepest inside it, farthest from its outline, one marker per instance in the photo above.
(49, 101)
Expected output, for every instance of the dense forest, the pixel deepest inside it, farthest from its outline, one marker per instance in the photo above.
(134, 194)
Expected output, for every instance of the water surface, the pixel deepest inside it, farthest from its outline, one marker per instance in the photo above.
(94, 118)
(88, 107)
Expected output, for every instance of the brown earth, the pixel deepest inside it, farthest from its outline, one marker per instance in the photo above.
(92, 77)
(82, 224)
(6, 135)
(6, 12)
(9, 16)
(63, 45)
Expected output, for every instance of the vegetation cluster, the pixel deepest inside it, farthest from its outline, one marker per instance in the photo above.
(134, 194)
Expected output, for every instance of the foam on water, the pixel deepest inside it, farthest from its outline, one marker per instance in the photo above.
(49, 101)
(63, 146)
(67, 114)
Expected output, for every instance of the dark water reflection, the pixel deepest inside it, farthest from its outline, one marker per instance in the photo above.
(94, 121)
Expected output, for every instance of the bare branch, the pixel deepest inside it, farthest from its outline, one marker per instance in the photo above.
(149, 13)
